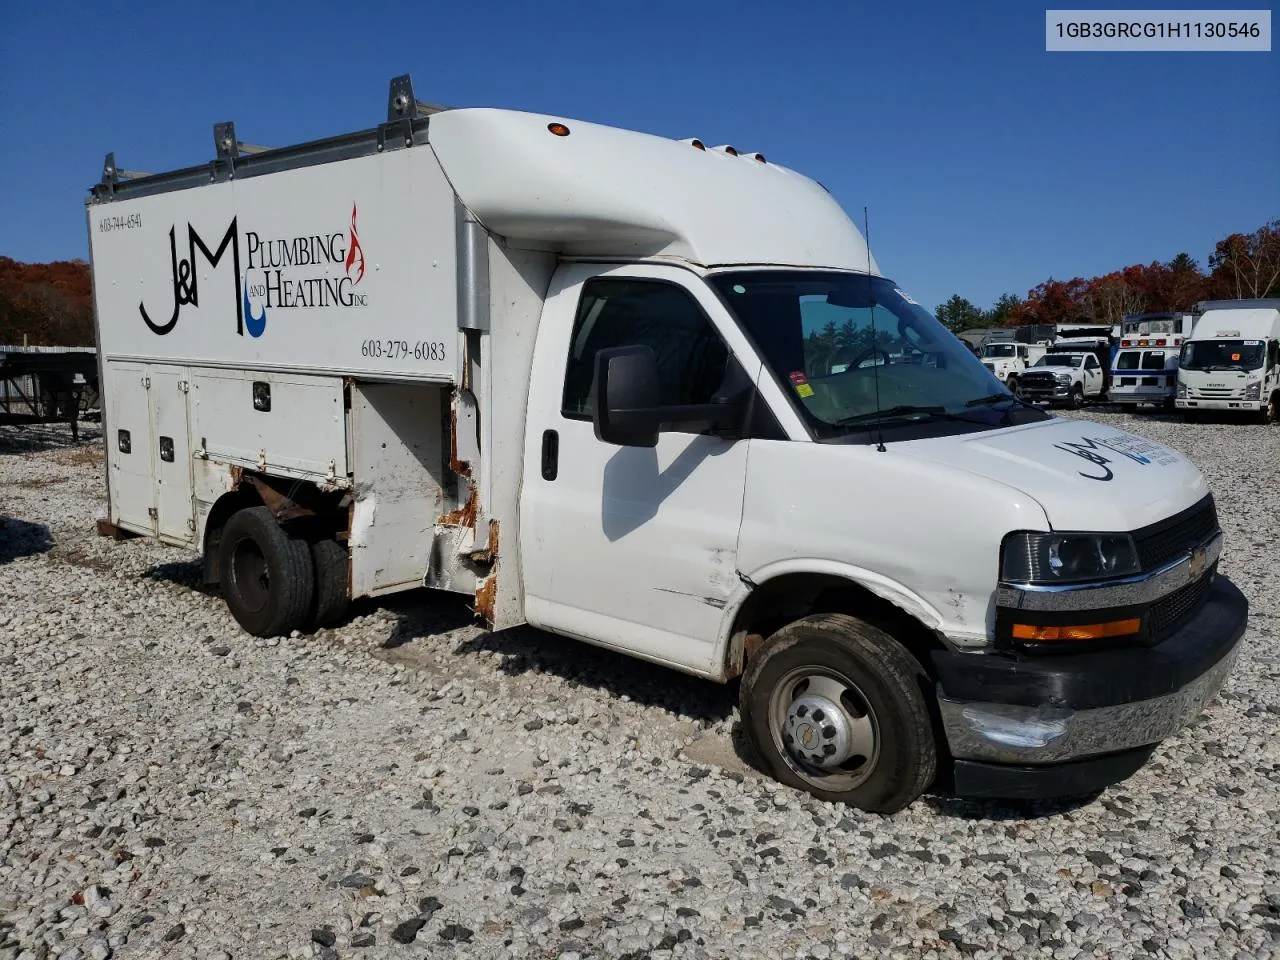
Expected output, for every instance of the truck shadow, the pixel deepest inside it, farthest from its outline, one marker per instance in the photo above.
(946, 804)
(38, 437)
(526, 650)
(186, 573)
(18, 539)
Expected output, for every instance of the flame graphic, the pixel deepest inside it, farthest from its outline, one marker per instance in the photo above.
(354, 251)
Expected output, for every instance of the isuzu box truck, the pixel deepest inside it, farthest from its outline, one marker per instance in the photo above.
(657, 396)
(1231, 362)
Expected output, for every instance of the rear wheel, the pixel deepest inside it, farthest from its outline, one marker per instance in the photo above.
(331, 594)
(836, 707)
(267, 575)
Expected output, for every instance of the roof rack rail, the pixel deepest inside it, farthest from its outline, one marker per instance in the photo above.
(405, 125)
(401, 98)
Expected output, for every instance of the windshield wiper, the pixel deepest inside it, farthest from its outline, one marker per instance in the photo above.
(992, 399)
(906, 410)
(890, 413)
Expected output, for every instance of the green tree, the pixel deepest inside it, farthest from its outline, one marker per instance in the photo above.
(959, 314)
(1002, 313)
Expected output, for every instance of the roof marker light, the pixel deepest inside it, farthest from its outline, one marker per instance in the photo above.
(559, 129)
(756, 156)
(725, 148)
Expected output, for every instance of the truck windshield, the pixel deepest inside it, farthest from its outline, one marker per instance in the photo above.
(856, 353)
(1059, 360)
(1000, 350)
(1222, 355)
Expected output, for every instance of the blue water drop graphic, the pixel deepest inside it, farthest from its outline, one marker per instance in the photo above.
(255, 325)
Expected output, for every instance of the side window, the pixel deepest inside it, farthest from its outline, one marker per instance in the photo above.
(1091, 362)
(620, 312)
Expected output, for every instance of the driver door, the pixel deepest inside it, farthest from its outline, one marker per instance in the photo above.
(1092, 376)
(631, 547)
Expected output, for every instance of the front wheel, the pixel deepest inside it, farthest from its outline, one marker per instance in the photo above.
(1076, 398)
(1014, 388)
(836, 707)
(267, 575)
(1272, 413)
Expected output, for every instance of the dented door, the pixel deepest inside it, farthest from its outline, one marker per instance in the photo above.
(629, 547)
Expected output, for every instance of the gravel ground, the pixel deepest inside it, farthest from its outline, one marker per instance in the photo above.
(408, 786)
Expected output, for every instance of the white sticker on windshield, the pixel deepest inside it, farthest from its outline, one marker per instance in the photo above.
(904, 296)
(1252, 343)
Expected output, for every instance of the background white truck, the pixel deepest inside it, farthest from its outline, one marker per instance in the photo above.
(658, 397)
(1009, 360)
(1070, 378)
(1231, 363)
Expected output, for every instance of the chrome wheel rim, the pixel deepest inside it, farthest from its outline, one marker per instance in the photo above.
(823, 726)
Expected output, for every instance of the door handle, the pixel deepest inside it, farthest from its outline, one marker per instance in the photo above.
(550, 454)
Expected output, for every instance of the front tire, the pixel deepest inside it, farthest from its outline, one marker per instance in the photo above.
(267, 575)
(836, 707)
(1272, 413)
(1076, 398)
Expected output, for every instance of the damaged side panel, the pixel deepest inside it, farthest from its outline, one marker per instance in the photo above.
(399, 459)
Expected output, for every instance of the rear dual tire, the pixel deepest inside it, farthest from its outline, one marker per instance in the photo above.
(275, 582)
(268, 576)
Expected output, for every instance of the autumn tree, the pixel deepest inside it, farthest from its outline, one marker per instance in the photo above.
(1248, 264)
(1054, 302)
(47, 304)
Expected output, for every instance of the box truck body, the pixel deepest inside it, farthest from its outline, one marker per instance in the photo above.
(658, 397)
(1231, 362)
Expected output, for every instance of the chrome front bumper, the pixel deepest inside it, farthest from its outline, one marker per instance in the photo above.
(1219, 403)
(1011, 734)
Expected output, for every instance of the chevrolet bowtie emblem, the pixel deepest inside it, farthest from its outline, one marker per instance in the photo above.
(1196, 567)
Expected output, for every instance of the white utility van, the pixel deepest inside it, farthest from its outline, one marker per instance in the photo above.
(657, 396)
(1231, 363)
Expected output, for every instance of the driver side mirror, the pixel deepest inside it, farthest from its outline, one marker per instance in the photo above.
(627, 410)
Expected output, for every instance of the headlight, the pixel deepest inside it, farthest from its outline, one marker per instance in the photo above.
(1068, 557)
(1253, 390)
(1062, 377)
(1182, 391)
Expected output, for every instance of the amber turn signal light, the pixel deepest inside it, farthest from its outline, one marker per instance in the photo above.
(1079, 631)
(559, 129)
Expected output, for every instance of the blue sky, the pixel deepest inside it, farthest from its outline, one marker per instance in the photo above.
(988, 164)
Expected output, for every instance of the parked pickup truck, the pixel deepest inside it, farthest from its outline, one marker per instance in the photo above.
(657, 396)
(1068, 378)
